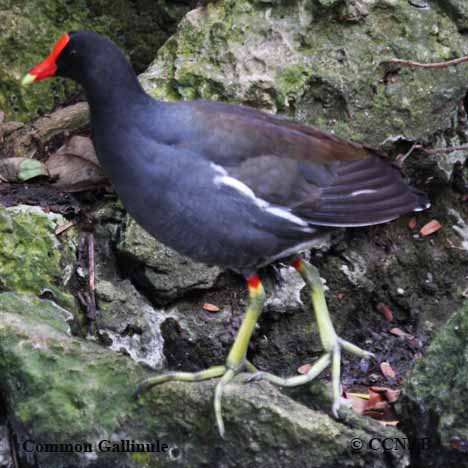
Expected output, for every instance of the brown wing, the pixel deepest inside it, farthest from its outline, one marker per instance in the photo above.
(322, 178)
(227, 133)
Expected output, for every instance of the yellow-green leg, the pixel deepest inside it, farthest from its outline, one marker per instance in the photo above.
(236, 360)
(331, 342)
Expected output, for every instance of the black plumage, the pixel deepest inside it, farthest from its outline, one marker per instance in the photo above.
(230, 186)
(226, 184)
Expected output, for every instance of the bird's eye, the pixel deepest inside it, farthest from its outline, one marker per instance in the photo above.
(73, 52)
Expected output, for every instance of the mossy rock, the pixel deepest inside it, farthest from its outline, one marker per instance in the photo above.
(436, 397)
(320, 62)
(59, 389)
(32, 258)
(29, 29)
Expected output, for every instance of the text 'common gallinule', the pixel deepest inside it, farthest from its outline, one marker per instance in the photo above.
(230, 186)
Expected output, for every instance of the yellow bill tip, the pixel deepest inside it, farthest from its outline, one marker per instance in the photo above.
(27, 79)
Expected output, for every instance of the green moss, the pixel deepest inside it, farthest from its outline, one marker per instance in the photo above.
(32, 258)
(29, 29)
(429, 408)
(292, 80)
(141, 458)
(298, 59)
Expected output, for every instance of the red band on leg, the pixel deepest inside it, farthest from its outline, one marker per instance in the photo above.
(253, 281)
(297, 263)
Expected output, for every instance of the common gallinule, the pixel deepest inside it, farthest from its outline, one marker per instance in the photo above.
(231, 186)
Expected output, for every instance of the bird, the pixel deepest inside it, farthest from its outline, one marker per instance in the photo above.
(232, 186)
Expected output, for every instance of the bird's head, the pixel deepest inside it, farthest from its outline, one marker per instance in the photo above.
(80, 56)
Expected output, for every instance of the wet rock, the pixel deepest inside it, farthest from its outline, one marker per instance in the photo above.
(32, 257)
(286, 294)
(458, 10)
(59, 389)
(6, 459)
(128, 323)
(162, 272)
(435, 398)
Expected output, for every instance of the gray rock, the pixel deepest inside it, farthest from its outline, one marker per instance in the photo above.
(458, 10)
(320, 62)
(32, 257)
(128, 323)
(59, 389)
(160, 270)
(435, 398)
(6, 460)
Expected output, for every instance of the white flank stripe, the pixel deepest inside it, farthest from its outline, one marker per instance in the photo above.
(283, 213)
(243, 189)
(362, 192)
(237, 185)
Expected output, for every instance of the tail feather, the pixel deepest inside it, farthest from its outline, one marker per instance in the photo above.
(364, 192)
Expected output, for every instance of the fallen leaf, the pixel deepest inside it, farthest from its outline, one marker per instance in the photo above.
(21, 169)
(210, 307)
(75, 166)
(385, 310)
(389, 394)
(304, 368)
(400, 332)
(412, 223)
(430, 228)
(387, 370)
(363, 396)
(374, 398)
(358, 404)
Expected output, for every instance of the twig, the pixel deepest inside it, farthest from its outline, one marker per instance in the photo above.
(401, 158)
(411, 63)
(64, 227)
(449, 149)
(92, 278)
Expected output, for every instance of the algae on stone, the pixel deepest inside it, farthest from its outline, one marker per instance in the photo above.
(166, 274)
(29, 28)
(319, 65)
(60, 389)
(32, 257)
(435, 398)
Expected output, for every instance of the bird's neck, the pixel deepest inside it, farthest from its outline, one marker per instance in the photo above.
(112, 92)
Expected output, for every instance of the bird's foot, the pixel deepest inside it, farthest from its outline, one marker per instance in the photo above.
(226, 373)
(331, 342)
(236, 360)
(331, 357)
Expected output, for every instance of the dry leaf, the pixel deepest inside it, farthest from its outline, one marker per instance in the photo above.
(210, 307)
(21, 169)
(430, 228)
(385, 310)
(64, 227)
(389, 394)
(387, 370)
(304, 368)
(75, 165)
(412, 223)
(400, 332)
(358, 404)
